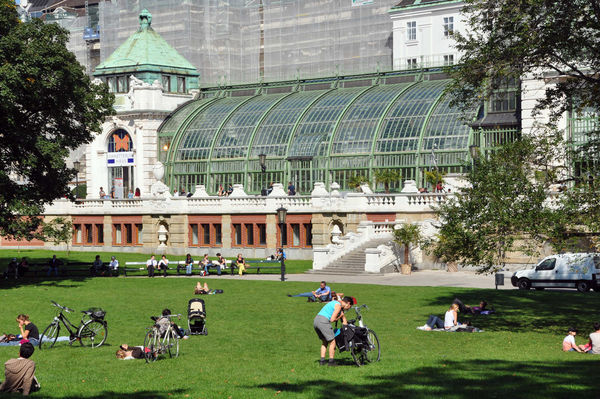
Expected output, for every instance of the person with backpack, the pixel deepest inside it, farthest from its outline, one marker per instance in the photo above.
(330, 313)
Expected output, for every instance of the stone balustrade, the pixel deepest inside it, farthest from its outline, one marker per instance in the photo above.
(352, 202)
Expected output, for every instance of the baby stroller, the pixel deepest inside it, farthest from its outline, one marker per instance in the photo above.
(197, 317)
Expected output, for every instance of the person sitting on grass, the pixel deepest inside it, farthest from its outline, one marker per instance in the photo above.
(20, 373)
(569, 344)
(127, 352)
(240, 263)
(595, 340)
(450, 322)
(323, 294)
(330, 313)
(53, 265)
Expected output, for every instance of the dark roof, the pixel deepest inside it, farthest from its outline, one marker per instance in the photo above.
(497, 119)
(413, 3)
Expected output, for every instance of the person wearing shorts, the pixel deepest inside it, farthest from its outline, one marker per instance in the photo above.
(331, 312)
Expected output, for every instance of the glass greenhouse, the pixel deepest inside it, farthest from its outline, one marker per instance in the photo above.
(328, 130)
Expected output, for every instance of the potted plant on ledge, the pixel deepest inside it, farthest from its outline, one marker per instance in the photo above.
(407, 235)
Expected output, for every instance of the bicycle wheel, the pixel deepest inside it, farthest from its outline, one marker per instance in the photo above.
(49, 336)
(173, 344)
(357, 356)
(93, 333)
(150, 342)
(373, 352)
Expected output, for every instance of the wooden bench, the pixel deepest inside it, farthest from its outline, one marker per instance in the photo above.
(178, 266)
(40, 270)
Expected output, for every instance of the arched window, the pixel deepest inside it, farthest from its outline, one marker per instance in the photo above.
(120, 141)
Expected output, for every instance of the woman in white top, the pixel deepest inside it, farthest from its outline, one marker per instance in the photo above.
(450, 321)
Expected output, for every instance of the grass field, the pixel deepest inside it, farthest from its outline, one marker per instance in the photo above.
(261, 343)
(42, 256)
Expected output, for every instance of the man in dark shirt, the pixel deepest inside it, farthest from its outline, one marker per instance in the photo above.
(291, 189)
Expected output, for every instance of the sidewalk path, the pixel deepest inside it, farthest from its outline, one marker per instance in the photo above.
(434, 278)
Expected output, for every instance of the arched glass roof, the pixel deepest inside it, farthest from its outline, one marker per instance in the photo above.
(357, 129)
(401, 129)
(334, 122)
(273, 135)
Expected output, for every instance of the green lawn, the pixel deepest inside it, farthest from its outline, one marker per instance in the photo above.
(261, 343)
(42, 256)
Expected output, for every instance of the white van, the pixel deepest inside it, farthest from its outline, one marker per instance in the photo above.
(571, 270)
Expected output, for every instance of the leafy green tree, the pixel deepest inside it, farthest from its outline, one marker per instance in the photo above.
(48, 106)
(387, 177)
(505, 39)
(504, 208)
(557, 43)
(58, 230)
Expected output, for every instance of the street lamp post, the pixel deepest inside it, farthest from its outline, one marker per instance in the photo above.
(281, 216)
(76, 165)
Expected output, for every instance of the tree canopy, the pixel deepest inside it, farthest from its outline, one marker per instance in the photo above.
(504, 208)
(48, 106)
(538, 38)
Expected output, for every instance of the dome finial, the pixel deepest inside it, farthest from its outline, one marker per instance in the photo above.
(145, 19)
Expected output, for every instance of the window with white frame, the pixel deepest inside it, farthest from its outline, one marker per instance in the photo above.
(448, 59)
(411, 30)
(411, 63)
(448, 26)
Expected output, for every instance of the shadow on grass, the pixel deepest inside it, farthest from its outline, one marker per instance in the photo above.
(476, 378)
(521, 311)
(47, 282)
(177, 393)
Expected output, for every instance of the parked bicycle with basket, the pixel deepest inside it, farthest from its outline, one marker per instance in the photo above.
(162, 338)
(359, 340)
(91, 331)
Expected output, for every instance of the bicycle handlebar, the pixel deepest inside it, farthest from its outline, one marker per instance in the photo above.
(168, 316)
(66, 309)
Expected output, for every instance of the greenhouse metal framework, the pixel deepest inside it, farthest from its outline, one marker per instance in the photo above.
(328, 130)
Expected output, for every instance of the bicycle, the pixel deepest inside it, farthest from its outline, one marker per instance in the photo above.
(92, 330)
(364, 350)
(157, 343)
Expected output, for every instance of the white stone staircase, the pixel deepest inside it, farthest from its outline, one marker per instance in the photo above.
(362, 252)
(353, 262)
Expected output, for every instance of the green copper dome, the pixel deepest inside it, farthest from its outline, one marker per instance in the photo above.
(146, 55)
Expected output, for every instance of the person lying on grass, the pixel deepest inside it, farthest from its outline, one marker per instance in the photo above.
(481, 309)
(127, 352)
(569, 344)
(450, 322)
(330, 313)
(323, 294)
(201, 290)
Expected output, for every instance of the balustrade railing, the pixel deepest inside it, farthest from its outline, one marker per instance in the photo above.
(397, 202)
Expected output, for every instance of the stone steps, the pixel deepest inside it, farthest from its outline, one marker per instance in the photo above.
(353, 263)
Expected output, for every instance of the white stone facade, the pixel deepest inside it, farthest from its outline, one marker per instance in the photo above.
(139, 112)
(427, 41)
